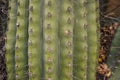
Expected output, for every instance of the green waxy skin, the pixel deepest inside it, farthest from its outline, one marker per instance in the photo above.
(50, 37)
(21, 58)
(52, 40)
(80, 41)
(92, 39)
(113, 58)
(116, 74)
(114, 50)
(35, 40)
(66, 40)
(11, 39)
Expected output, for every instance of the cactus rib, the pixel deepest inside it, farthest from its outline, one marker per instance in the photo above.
(80, 41)
(50, 34)
(66, 40)
(52, 40)
(92, 39)
(11, 39)
(35, 40)
(21, 57)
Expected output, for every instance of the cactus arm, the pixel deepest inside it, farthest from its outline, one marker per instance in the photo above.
(21, 58)
(114, 50)
(116, 74)
(50, 34)
(113, 58)
(35, 40)
(66, 40)
(92, 39)
(80, 41)
(11, 39)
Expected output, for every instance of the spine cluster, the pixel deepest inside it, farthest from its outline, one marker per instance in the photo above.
(21, 57)
(81, 36)
(66, 40)
(52, 40)
(35, 40)
(92, 39)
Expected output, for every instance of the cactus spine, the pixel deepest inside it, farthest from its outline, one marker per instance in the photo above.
(80, 41)
(66, 40)
(55, 40)
(11, 39)
(50, 35)
(21, 58)
(92, 39)
(35, 40)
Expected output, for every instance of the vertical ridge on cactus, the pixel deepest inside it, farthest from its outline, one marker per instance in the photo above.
(35, 40)
(80, 41)
(66, 40)
(92, 39)
(21, 58)
(50, 37)
(52, 40)
(11, 39)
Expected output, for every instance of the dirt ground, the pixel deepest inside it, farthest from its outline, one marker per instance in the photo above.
(3, 25)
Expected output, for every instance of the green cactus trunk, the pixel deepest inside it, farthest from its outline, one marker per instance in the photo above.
(11, 39)
(113, 58)
(35, 40)
(116, 74)
(66, 40)
(50, 38)
(54, 40)
(80, 41)
(21, 47)
(114, 50)
(92, 39)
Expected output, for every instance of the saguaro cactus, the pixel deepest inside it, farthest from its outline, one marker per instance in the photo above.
(92, 39)
(21, 57)
(50, 35)
(11, 39)
(35, 40)
(80, 31)
(66, 39)
(113, 58)
(54, 40)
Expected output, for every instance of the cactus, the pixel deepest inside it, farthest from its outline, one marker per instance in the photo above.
(50, 38)
(113, 58)
(92, 39)
(116, 75)
(80, 41)
(66, 39)
(35, 40)
(21, 57)
(11, 39)
(53, 40)
(114, 50)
